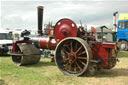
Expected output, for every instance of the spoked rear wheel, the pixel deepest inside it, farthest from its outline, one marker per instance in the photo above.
(72, 56)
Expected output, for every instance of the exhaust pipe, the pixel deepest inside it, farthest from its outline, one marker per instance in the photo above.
(40, 19)
(114, 20)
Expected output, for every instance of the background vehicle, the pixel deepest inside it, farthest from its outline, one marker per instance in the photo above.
(5, 42)
(122, 31)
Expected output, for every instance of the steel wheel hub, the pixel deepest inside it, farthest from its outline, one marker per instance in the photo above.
(72, 57)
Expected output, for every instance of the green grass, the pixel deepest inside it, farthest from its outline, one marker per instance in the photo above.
(43, 73)
(123, 54)
(47, 73)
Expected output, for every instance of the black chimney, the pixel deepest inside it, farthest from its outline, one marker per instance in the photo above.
(40, 19)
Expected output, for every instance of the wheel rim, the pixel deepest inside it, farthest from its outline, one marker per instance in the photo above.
(72, 56)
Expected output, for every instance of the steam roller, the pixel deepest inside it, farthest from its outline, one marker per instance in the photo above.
(76, 51)
(26, 54)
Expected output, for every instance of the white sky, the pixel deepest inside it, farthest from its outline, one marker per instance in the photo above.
(23, 14)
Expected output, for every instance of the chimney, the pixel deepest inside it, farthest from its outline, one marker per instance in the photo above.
(40, 19)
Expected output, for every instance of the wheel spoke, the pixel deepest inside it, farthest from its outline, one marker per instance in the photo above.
(71, 47)
(82, 62)
(67, 47)
(76, 46)
(65, 59)
(65, 51)
(74, 68)
(82, 58)
(78, 49)
(78, 65)
(82, 53)
(70, 67)
(65, 65)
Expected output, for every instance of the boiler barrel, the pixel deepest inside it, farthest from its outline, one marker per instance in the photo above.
(45, 42)
(48, 43)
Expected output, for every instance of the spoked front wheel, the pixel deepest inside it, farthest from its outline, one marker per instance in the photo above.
(72, 56)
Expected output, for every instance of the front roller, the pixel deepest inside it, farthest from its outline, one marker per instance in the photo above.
(26, 54)
(72, 56)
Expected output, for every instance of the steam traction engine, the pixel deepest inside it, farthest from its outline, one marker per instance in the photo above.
(76, 51)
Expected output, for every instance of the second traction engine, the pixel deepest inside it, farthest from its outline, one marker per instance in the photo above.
(76, 51)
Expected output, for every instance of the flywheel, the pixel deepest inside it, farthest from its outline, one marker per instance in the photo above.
(72, 56)
(65, 28)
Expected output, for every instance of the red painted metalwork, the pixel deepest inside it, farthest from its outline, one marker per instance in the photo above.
(51, 32)
(47, 42)
(15, 47)
(103, 51)
(65, 28)
(93, 30)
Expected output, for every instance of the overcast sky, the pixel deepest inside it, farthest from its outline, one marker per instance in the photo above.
(23, 14)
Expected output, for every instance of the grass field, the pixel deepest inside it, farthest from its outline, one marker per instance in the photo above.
(46, 73)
